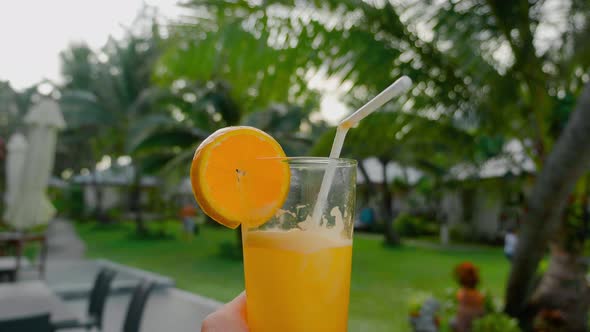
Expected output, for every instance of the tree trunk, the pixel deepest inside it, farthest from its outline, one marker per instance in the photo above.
(391, 237)
(136, 201)
(406, 175)
(568, 161)
(564, 288)
(370, 188)
(98, 212)
(585, 211)
(2, 183)
(370, 184)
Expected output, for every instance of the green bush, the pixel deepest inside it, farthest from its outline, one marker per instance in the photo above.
(229, 250)
(543, 266)
(71, 202)
(492, 304)
(496, 322)
(408, 225)
(460, 233)
(115, 214)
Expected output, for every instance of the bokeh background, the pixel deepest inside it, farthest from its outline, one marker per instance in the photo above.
(491, 141)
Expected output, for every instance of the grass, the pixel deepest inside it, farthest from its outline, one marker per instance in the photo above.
(383, 279)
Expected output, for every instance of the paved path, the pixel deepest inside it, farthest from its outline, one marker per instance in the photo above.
(63, 242)
(167, 310)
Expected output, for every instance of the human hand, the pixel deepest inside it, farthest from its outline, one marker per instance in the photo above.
(229, 318)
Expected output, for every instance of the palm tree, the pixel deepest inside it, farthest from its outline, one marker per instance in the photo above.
(109, 98)
(169, 147)
(222, 75)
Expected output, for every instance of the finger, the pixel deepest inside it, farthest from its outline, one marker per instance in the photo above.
(229, 318)
(237, 305)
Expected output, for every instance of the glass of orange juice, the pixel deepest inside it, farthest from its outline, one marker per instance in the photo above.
(297, 270)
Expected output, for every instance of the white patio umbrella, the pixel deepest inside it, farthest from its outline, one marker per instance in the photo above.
(31, 206)
(15, 161)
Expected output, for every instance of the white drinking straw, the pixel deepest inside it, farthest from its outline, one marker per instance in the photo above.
(398, 87)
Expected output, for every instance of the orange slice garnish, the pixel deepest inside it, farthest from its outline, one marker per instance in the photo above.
(239, 177)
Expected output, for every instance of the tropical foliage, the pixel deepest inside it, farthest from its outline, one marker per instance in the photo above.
(13, 106)
(241, 79)
(486, 72)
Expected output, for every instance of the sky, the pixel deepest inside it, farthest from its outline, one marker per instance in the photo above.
(33, 32)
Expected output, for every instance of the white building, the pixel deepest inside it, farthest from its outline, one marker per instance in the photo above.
(114, 183)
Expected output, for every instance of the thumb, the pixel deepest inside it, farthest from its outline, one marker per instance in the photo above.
(229, 318)
(237, 305)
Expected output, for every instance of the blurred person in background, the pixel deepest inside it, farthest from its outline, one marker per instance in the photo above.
(510, 242)
(188, 214)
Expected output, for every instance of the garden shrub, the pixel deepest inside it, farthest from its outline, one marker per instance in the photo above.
(460, 233)
(495, 322)
(229, 250)
(72, 205)
(409, 225)
(115, 214)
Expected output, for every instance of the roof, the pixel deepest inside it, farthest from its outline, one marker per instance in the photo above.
(56, 182)
(115, 176)
(374, 169)
(513, 160)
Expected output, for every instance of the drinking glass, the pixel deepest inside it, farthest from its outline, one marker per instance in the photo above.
(297, 270)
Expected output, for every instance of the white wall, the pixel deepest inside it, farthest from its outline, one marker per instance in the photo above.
(452, 206)
(486, 211)
(110, 197)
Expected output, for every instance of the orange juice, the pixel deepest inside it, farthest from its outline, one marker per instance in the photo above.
(297, 281)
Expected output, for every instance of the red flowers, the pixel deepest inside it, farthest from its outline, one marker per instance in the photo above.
(467, 275)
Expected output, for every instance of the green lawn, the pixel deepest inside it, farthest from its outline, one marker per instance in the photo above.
(383, 279)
